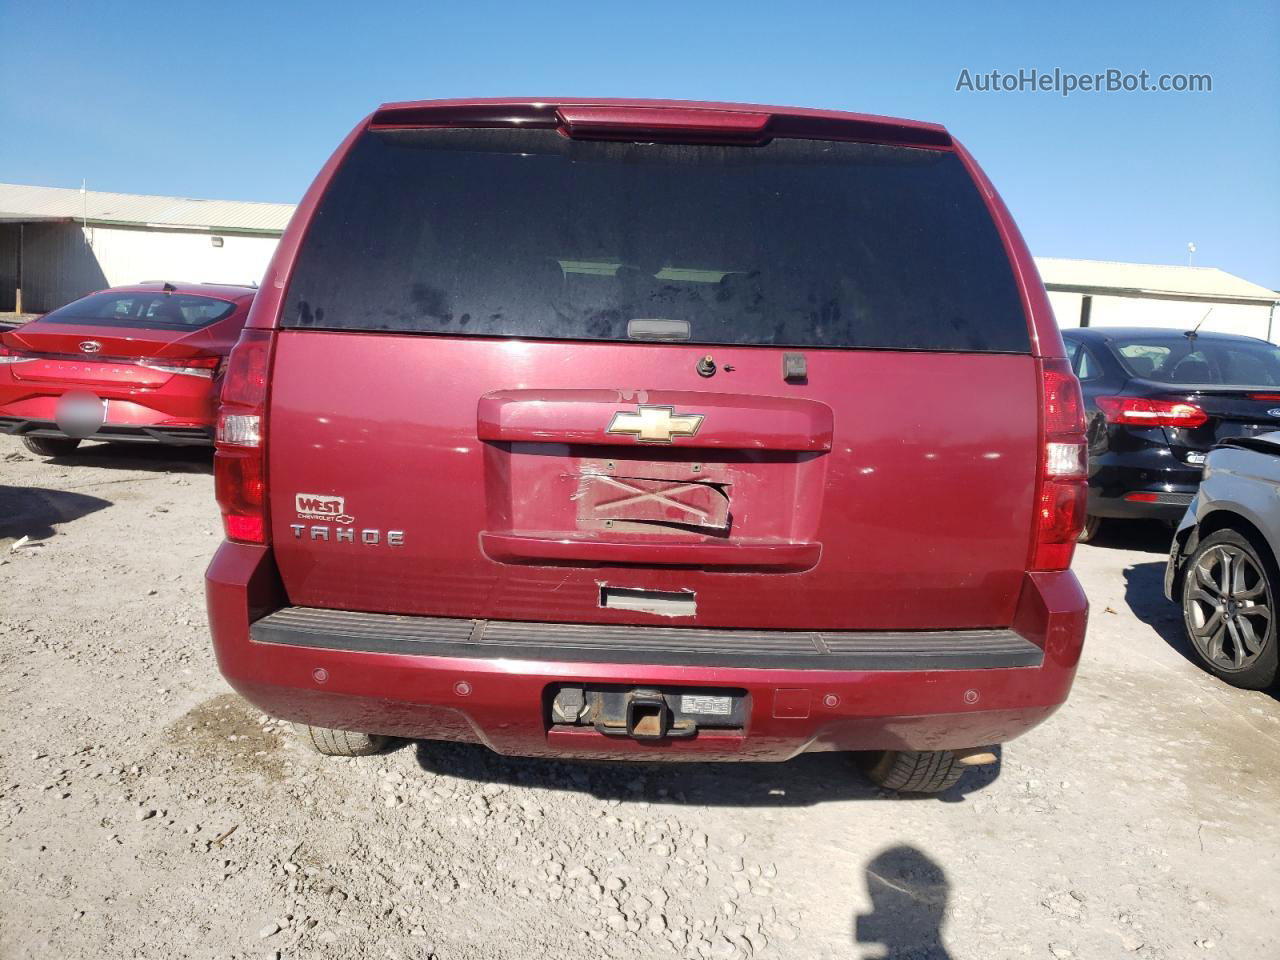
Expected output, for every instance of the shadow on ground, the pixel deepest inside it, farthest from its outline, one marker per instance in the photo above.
(1146, 536)
(809, 779)
(138, 456)
(908, 893)
(33, 511)
(1144, 593)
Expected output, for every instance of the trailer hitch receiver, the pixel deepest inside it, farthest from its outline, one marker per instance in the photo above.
(648, 716)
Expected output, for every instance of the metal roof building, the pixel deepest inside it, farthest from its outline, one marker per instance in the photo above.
(58, 243)
(1107, 293)
(26, 204)
(1160, 281)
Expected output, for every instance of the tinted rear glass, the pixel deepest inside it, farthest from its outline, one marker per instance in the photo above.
(1200, 360)
(173, 311)
(530, 234)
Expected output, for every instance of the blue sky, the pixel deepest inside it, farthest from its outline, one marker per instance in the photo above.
(245, 101)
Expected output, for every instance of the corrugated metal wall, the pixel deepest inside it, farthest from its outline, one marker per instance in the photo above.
(57, 266)
(8, 263)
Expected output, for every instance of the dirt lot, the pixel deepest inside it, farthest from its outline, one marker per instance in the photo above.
(145, 811)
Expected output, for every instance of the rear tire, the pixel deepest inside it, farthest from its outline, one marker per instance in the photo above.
(341, 743)
(1229, 614)
(914, 771)
(1091, 525)
(51, 446)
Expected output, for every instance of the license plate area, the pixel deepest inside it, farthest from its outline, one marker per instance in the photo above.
(80, 414)
(647, 713)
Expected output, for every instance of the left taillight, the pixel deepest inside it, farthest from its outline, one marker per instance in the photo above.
(1062, 494)
(9, 355)
(239, 462)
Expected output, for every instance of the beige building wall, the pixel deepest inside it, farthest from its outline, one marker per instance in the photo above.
(1244, 319)
(133, 255)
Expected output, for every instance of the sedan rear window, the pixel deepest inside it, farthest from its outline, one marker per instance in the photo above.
(167, 311)
(1200, 360)
(530, 234)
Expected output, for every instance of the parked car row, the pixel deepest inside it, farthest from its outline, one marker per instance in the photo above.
(580, 429)
(1157, 401)
(1182, 427)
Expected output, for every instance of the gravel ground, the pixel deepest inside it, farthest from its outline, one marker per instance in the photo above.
(146, 811)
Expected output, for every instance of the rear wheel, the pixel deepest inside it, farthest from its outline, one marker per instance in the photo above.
(341, 743)
(1090, 530)
(914, 771)
(50, 446)
(1228, 606)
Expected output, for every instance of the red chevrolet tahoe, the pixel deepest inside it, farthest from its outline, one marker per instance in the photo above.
(652, 430)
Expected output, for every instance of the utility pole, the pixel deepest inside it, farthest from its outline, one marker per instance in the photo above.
(17, 293)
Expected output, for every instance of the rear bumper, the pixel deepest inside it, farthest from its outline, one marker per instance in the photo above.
(178, 412)
(1170, 505)
(193, 436)
(1157, 472)
(490, 684)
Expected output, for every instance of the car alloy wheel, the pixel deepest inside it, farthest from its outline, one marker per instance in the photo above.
(1227, 606)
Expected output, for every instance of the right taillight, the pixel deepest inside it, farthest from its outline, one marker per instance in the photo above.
(239, 463)
(1064, 468)
(1142, 412)
(190, 367)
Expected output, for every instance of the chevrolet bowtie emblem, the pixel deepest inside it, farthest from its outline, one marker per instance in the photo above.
(652, 424)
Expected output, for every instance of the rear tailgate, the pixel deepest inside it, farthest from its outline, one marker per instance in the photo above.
(891, 490)
(466, 420)
(1218, 385)
(1231, 412)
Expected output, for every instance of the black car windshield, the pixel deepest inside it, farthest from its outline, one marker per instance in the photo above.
(160, 311)
(1200, 360)
(529, 234)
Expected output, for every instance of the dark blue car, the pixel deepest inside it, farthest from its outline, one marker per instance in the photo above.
(1157, 400)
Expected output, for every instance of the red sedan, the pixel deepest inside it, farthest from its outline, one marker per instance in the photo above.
(138, 364)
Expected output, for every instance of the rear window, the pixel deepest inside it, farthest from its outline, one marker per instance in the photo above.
(1197, 360)
(173, 311)
(529, 234)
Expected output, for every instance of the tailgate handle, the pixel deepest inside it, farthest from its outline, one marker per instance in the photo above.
(681, 418)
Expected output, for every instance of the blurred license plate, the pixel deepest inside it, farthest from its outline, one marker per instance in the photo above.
(80, 414)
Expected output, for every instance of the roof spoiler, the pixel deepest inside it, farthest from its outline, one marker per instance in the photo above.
(667, 122)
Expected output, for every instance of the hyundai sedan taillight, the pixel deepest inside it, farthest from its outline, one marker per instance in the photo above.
(8, 355)
(205, 367)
